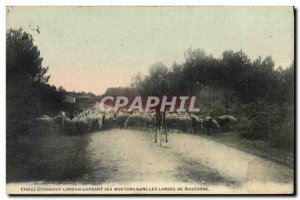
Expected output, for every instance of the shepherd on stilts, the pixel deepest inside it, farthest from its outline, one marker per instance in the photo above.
(160, 125)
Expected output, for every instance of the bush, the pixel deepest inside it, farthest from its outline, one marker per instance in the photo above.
(283, 136)
(271, 122)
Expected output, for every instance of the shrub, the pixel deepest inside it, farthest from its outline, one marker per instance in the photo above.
(271, 122)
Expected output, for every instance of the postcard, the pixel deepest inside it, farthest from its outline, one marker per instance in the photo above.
(150, 100)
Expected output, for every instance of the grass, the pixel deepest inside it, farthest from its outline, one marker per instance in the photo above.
(52, 158)
(257, 147)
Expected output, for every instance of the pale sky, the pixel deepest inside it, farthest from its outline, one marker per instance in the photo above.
(93, 48)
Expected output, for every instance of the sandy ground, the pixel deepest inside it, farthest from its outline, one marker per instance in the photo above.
(128, 161)
(127, 157)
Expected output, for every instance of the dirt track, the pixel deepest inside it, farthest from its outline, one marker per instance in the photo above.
(130, 156)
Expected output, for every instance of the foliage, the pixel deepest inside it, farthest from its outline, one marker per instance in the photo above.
(121, 91)
(27, 93)
(23, 58)
(258, 94)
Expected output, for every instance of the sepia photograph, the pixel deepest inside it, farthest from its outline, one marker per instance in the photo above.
(150, 100)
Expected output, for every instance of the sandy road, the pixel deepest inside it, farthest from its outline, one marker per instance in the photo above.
(131, 156)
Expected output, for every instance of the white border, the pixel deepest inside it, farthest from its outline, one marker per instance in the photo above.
(154, 2)
(110, 3)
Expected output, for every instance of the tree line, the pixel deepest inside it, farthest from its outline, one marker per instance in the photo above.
(28, 94)
(235, 74)
(260, 94)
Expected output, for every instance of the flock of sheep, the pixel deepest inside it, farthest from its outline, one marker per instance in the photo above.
(88, 121)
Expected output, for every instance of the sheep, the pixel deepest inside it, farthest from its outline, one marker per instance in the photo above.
(171, 121)
(45, 116)
(200, 123)
(40, 125)
(139, 120)
(210, 124)
(77, 125)
(59, 122)
(146, 121)
(70, 126)
(95, 121)
(133, 120)
(83, 126)
(108, 120)
(197, 123)
(87, 112)
(226, 121)
(100, 121)
(185, 123)
(121, 119)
